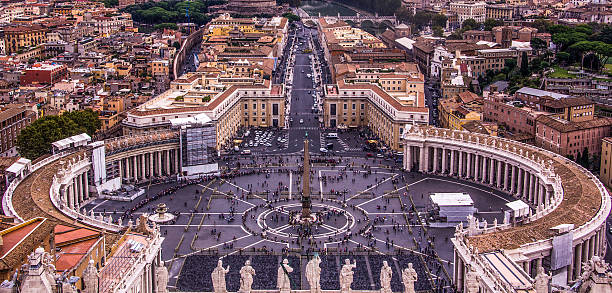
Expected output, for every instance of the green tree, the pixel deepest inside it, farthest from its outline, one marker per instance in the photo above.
(470, 24)
(439, 19)
(538, 45)
(524, 64)
(166, 25)
(292, 17)
(35, 140)
(438, 31)
(490, 23)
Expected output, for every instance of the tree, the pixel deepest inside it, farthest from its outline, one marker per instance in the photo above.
(176, 45)
(541, 24)
(292, 17)
(490, 23)
(35, 140)
(538, 44)
(470, 24)
(563, 57)
(439, 20)
(438, 31)
(524, 64)
(422, 19)
(166, 25)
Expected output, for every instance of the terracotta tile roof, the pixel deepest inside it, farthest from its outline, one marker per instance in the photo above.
(71, 255)
(21, 240)
(563, 126)
(389, 99)
(567, 102)
(468, 97)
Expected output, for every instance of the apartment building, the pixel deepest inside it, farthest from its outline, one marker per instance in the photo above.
(12, 121)
(569, 138)
(499, 11)
(19, 37)
(469, 10)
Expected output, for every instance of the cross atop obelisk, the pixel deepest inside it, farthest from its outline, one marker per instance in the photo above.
(306, 184)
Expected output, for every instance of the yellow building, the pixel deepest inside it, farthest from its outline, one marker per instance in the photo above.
(19, 37)
(160, 68)
(454, 112)
(605, 170)
(499, 11)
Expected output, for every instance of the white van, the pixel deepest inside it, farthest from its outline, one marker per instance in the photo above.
(333, 135)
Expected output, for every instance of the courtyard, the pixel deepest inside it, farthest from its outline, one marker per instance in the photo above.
(367, 210)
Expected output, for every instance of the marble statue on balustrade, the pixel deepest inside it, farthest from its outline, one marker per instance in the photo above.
(161, 277)
(385, 278)
(346, 275)
(90, 278)
(313, 274)
(218, 277)
(282, 281)
(541, 281)
(471, 282)
(246, 277)
(409, 277)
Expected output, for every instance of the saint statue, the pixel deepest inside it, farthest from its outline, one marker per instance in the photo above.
(409, 277)
(218, 277)
(282, 280)
(246, 277)
(385, 278)
(313, 274)
(161, 274)
(471, 279)
(541, 281)
(346, 275)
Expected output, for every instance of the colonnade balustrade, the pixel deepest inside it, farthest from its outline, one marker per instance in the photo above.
(148, 164)
(536, 176)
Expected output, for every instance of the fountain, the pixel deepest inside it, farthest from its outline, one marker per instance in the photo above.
(161, 214)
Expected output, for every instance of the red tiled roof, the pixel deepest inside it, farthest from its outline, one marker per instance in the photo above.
(389, 99)
(70, 255)
(15, 235)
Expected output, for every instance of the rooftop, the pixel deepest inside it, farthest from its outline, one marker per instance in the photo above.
(541, 93)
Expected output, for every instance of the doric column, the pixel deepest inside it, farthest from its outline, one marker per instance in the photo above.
(476, 167)
(435, 160)
(461, 156)
(506, 174)
(519, 181)
(452, 164)
(167, 153)
(484, 169)
(444, 161)
(159, 170)
(127, 168)
(525, 183)
(499, 174)
(491, 171)
(86, 183)
(177, 161)
(468, 168)
(408, 157)
(143, 167)
(64, 196)
(150, 160)
(120, 165)
(542, 194)
(578, 260)
(422, 159)
(71, 194)
(134, 168)
(79, 187)
(513, 180)
(531, 187)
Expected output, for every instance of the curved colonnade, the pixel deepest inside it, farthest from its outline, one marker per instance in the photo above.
(564, 199)
(58, 186)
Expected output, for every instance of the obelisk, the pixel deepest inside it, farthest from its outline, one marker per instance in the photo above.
(306, 184)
